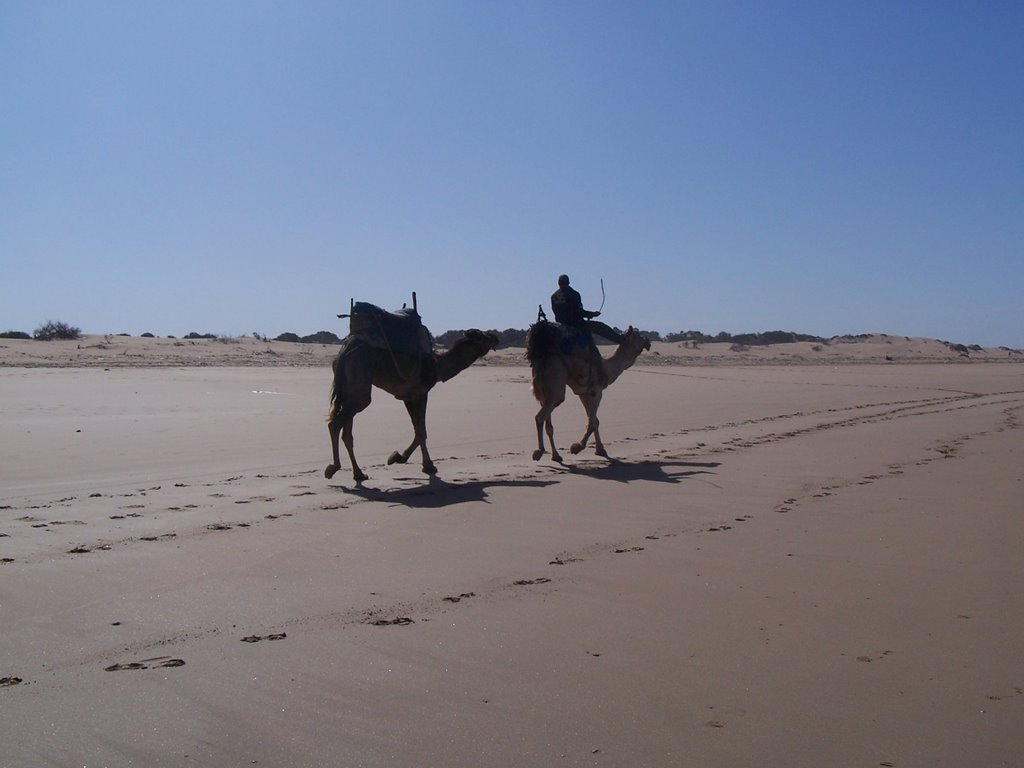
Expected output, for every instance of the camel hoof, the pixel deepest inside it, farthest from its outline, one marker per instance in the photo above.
(556, 457)
(576, 448)
(537, 454)
(396, 458)
(601, 452)
(360, 476)
(330, 469)
(429, 469)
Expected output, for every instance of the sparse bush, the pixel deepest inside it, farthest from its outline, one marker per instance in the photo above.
(51, 330)
(148, 335)
(288, 336)
(321, 337)
(194, 335)
(14, 335)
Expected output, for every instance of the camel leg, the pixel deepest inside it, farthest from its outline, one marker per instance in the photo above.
(544, 424)
(346, 436)
(591, 401)
(549, 388)
(418, 415)
(334, 429)
(341, 425)
(353, 396)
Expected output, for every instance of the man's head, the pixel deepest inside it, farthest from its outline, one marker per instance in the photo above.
(563, 280)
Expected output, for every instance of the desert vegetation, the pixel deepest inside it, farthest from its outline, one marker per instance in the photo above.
(54, 329)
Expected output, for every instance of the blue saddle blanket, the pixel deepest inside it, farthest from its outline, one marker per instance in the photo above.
(575, 340)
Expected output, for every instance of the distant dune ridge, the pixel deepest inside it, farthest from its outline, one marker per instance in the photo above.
(93, 350)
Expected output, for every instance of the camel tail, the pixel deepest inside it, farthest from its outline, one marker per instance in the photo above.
(335, 385)
(537, 385)
(333, 410)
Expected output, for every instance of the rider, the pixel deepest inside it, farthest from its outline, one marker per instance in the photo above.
(567, 304)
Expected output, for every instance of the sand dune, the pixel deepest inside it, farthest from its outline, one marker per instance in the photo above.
(134, 351)
(799, 564)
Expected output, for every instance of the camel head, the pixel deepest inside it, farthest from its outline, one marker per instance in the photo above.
(473, 345)
(635, 340)
(485, 342)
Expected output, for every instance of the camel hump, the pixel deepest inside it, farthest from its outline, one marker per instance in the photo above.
(399, 331)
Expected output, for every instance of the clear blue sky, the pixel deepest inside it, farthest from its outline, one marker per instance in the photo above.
(239, 167)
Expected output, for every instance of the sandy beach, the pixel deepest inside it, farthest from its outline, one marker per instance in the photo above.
(794, 557)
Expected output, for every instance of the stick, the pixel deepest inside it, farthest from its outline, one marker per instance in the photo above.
(602, 295)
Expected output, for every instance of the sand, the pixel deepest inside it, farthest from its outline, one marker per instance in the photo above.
(782, 563)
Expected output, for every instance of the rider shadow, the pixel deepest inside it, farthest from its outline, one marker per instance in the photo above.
(646, 470)
(439, 493)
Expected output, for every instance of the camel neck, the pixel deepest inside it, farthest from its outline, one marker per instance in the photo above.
(622, 359)
(456, 360)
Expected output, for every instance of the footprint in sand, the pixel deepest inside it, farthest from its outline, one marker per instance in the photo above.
(565, 560)
(869, 659)
(1016, 692)
(164, 662)
(630, 549)
(458, 598)
(258, 638)
(401, 621)
(7, 682)
(529, 582)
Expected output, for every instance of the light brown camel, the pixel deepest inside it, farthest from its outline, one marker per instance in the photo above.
(556, 362)
(409, 377)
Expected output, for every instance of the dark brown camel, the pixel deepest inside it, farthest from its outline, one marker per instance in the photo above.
(583, 370)
(409, 377)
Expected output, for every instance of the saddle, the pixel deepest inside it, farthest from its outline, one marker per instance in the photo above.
(576, 341)
(401, 331)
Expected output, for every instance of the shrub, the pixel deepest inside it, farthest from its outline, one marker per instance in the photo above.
(147, 335)
(293, 337)
(51, 330)
(321, 337)
(194, 335)
(14, 335)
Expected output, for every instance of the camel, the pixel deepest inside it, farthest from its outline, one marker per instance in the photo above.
(359, 367)
(558, 357)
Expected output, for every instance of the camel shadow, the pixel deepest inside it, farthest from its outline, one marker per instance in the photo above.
(439, 493)
(645, 470)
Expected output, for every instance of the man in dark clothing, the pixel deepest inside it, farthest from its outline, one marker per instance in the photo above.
(567, 304)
